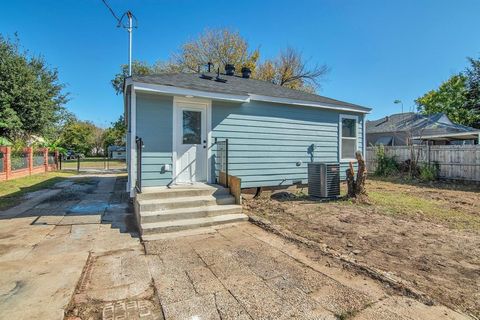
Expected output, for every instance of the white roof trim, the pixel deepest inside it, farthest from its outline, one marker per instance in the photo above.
(146, 87)
(308, 103)
(467, 135)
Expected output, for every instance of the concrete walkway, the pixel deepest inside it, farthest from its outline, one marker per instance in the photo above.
(72, 251)
(46, 241)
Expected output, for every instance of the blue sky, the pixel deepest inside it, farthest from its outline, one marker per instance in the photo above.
(377, 50)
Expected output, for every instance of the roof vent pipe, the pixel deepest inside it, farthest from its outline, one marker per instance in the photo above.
(229, 69)
(246, 72)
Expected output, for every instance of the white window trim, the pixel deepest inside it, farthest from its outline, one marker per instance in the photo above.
(208, 104)
(340, 144)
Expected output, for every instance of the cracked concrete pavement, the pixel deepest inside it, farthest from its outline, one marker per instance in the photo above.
(46, 241)
(74, 251)
(244, 272)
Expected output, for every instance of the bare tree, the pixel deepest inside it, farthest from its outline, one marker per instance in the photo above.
(219, 46)
(291, 70)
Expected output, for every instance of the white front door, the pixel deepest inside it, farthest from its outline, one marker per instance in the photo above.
(191, 142)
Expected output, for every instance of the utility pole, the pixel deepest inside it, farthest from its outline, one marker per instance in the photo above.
(130, 32)
(129, 28)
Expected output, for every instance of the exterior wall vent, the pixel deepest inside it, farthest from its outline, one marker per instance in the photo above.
(323, 180)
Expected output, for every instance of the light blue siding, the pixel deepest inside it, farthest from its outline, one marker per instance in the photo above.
(155, 127)
(267, 141)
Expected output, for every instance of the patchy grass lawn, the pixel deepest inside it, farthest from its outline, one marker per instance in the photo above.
(12, 191)
(457, 208)
(93, 163)
(428, 234)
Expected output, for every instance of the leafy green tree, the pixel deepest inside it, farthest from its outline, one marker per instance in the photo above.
(31, 96)
(116, 134)
(450, 98)
(79, 136)
(140, 68)
(458, 97)
(473, 89)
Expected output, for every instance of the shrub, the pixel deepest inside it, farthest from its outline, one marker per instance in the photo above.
(386, 165)
(429, 172)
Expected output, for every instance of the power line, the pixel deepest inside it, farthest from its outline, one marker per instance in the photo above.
(111, 11)
(132, 23)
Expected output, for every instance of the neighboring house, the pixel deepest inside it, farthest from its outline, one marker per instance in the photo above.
(117, 152)
(402, 128)
(273, 131)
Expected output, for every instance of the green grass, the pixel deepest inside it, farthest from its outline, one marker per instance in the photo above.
(400, 203)
(93, 163)
(12, 191)
(390, 197)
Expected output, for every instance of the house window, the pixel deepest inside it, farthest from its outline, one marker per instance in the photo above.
(192, 128)
(348, 137)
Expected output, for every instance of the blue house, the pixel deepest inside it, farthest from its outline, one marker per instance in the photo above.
(188, 131)
(273, 131)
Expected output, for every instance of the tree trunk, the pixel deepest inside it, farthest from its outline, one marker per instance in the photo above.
(361, 177)
(351, 181)
(356, 188)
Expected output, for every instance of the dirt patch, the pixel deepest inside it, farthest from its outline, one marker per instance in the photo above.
(105, 289)
(427, 235)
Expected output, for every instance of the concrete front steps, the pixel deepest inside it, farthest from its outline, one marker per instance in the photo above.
(166, 210)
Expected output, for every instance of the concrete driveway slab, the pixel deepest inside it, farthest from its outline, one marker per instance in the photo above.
(46, 241)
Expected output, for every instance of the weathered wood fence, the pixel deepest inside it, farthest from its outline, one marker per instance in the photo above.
(25, 162)
(456, 162)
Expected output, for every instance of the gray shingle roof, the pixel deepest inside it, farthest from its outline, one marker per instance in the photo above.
(435, 124)
(238, 86)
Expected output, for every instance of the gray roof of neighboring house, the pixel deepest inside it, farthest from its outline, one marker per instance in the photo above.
(238, 86)
(418, 124)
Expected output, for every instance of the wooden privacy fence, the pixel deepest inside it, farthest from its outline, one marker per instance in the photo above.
(455, 162)
(25, 162)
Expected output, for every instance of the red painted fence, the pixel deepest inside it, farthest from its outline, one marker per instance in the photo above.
(27, 162)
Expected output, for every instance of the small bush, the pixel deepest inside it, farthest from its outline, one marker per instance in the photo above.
(386, 165)
(429, 172)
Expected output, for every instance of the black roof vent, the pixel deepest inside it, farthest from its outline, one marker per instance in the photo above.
(246, 72)
(204, 76)
(229, 69)
(218, 79)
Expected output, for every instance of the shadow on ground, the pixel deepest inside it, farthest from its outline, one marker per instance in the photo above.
(85, 199)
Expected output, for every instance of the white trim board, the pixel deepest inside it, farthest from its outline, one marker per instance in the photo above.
(306, 103)
(176, 91)
(133, 144)
(340, 118)
(208, 105)
(145, 87)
